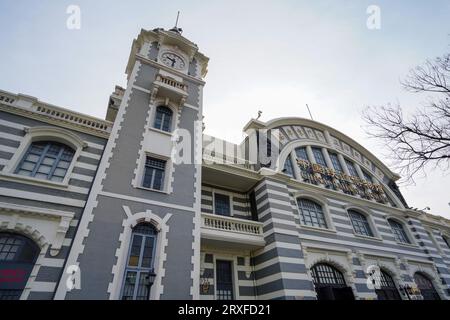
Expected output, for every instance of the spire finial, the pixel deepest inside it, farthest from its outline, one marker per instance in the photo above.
(176, 29)
(176, 22)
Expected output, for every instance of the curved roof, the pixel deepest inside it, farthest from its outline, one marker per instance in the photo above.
(289, 121)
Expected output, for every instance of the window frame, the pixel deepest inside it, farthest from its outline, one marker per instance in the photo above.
(302, 217)
(154, 169)
(230, 199)
(139, 269)
(47, 145)
(318, 150)
(138, 180)
(38, 134)
(335, 161)
(366, 225)
(406, 233)
(171, 122)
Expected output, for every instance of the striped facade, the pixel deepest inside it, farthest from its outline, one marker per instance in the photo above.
(27, 206)
(239, 228)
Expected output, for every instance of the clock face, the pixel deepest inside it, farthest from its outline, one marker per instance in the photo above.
(172, 60)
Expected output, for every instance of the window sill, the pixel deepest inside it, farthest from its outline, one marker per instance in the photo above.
(302, 226)
(35, 181)
(367, 237)
(170, 134)
(150, 189)
(408, 245)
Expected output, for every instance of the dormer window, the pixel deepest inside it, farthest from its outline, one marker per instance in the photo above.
(163, 119)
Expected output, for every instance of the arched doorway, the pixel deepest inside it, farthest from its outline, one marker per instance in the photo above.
(18, 255)
(426, 287)
(388, 290)
(330, 283)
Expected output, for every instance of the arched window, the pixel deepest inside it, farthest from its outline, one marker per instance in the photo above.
(288, 169)
(163, 118)
(329, 283)
(388, 290)
(139, 272)
(311, 213)
(426, 287)
(360, 223)
(46, 160)
(17, 257)
(399, 231)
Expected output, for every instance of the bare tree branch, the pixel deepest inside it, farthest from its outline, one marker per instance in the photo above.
(422, 138)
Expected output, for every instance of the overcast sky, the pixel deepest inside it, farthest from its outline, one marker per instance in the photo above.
(273, 56)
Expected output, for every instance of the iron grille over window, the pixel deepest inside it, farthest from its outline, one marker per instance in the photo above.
(154, 173)
(399, 231)
(318, 155)
(426, 287)
(46, 160)
(139, 269)
(387, 281)
(324, 274)
(224, 281)
(163, 118)
(311, 213)
(335, 161)
(222, 204)
(360, 223)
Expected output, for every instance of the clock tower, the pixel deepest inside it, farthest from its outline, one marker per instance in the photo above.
(139, 235)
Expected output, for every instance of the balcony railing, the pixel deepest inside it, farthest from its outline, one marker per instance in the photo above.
(229, 229)
(316, 174)
(171, 82)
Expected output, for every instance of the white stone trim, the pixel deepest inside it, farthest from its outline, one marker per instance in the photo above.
(118, 270)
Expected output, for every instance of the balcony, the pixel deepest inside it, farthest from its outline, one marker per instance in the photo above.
(231, 232)
(168, 87)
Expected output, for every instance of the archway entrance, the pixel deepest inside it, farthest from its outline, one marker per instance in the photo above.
(330, 283)
(18, 255)
(426, 287)
(388, 290)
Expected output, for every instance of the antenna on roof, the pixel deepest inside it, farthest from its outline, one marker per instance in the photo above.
(309, 112)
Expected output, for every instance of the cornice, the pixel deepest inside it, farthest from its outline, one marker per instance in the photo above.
(31, 107)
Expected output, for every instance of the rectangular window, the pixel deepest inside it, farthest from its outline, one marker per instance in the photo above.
(224, 282)
(154, 173)
(367, 176)
(288, 169)
(335, 161)
(351, 168)
(318, 155)
(222, 204)
(301, 153)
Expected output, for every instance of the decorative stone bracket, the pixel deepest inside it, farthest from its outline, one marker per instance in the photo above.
(61, 231)
(54, 236)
